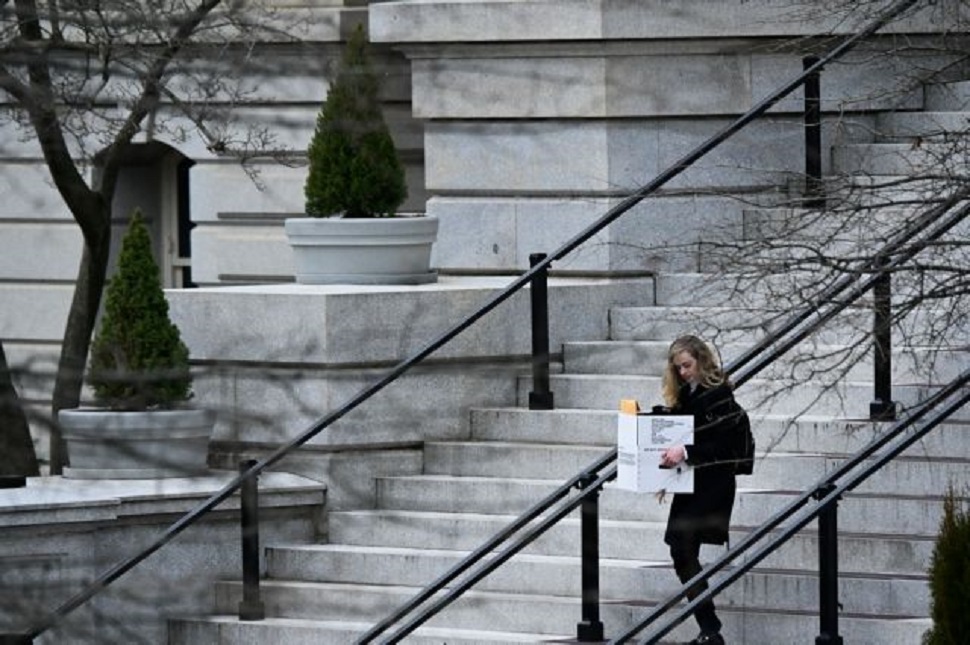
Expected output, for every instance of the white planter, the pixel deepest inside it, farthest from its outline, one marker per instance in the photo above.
(383, 250)
(106, 444)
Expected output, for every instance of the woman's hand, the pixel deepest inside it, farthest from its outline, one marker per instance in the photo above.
(672, 456)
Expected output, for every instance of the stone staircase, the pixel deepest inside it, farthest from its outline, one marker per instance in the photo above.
(376, 559)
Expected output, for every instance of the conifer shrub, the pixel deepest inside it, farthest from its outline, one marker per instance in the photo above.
(950, 576)
(138, 360)
(354, 170)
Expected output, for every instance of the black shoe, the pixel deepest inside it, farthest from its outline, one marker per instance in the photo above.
(708, 638)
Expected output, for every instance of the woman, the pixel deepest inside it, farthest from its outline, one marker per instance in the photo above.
(694, 384)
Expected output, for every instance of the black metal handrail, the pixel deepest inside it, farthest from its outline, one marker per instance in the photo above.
(478, 568)
(118, 570)
(771, 348)
(590, 473)
(919, 234)
(831, 492)
(915, 238)
(932, 226)
(551, 517)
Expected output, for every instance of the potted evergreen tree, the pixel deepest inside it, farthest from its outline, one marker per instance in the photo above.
(139, 372)
(355, 184)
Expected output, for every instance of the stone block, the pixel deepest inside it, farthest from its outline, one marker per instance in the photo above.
(859, 82)
(509, 87)
(33, 366)
(38, 251)
(29, 194)
(761, 154)
(682, 78)
(522, 157)
(360, 325)
(604, 157)
(308, 350)
(221, 188)
(34, 312)
(17, 142)
(272, 406)
(500, 233)
(478, 232)
(244, 252)
(948, 96)
(679, 84)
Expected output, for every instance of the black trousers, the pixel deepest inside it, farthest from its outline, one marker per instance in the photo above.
(685, 550)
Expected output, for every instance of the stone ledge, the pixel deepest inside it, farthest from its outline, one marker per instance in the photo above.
(57, 500)
(357, 325)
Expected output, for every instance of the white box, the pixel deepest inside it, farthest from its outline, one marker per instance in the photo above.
(640, 439)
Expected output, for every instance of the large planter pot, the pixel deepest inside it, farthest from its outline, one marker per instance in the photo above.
(383, 250)
(106, 444)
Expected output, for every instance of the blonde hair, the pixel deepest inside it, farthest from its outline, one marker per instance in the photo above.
(708, 367)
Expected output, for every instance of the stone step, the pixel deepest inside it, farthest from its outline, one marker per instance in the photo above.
(227, 628)
(649, 357)
(873, 512)
(773, 433)
(923, 126)
(494, 459)
(744, 326)
(727, 324)
(860, 218)
(774, 471)
(913, 476)
(775, 294)
(509, 612)
(619, 539)
(362, 603)
(841, 227)
(762, 397)
(723, 325)
(620, 579)
(865, 193)
(748, 627)
(726, 290)
(953, 96)
(896, 159)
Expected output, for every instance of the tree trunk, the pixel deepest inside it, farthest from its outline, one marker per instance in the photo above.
(17, 455)
(77, 337)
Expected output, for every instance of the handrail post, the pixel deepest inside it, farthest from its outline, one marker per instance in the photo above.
(251, 607)
(883, 408)
(828, 569)
(813, 136)
(540, 398)
(590, 630)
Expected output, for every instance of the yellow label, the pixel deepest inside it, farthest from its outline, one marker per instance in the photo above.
(629, 406)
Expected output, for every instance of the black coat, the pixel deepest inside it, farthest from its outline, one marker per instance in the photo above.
(705, 514)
